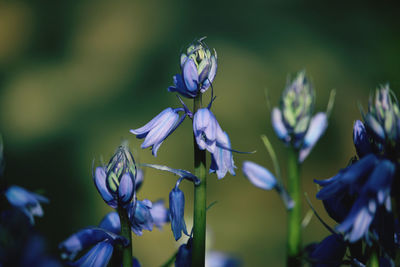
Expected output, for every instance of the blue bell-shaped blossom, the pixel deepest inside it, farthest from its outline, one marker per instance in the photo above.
(140, 216)
(159, 128)
(184, 255)
(177, 211)
(294, 122)
(369, 182)
(329, 252)
(264, 179)
(258, 175)
(100, 241)
(199, 67)
(26, 201)
(206, 130)
(116, 181)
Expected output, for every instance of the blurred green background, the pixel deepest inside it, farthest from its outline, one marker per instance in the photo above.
(75, 76)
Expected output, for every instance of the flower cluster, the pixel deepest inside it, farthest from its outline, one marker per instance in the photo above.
(294, 122)
(360, 196)
(199, 67)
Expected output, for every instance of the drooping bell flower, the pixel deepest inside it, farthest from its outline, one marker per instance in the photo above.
(26, 201)
(264, 179)
(116, 181)
(329, 252)
(293, 121)
(140, 216)
(99, 241)
(177, 210)
(206, 130)
(199, 67)
(368, 182)
(159, 128)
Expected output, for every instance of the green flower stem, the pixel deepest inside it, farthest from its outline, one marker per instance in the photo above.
(294, 218)
(125, 232)
(200, 198)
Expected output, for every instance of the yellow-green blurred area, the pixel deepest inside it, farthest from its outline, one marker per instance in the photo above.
(76, 76)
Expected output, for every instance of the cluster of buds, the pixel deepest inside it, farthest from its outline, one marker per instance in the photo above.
(116, 181)
(198, 66)
(293, 121)
(382, 122)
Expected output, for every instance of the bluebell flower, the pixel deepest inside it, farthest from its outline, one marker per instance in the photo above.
(159, 213)
(199, 67)
(177, 210)
(264, 179)
(258, 175)
(329, 252)
(206, 130)
(100, 241)
(116, 181)
(140, 216)
(159, 128)
(369, 180)
(184, 255)
(26, 201)
(293, 121)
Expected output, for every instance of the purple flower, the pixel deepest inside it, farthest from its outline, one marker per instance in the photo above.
(206, 130)
(258, 175)
(177, 210)
(199, 67)
(159, 128)
(26, 201)
(100, 241)
(264, 179)
(369, 182)
(140, 216)
(329, 252)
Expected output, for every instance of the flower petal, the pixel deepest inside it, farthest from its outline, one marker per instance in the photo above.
(142, 131)
(98, 256)
(99, 178)
(258, 175)
(126, 189)
(177, 210)
(317, 127)
(190, 75)
(279, 126)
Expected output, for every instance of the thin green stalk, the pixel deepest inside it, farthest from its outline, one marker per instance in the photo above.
(294, 218)
(125, 232)
(200, 198)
